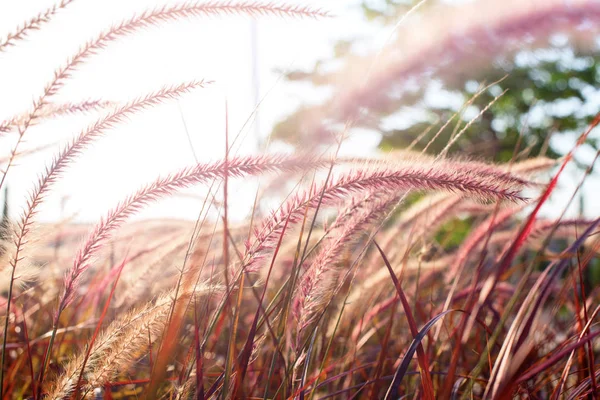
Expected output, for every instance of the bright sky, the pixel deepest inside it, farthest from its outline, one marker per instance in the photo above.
(155, 141)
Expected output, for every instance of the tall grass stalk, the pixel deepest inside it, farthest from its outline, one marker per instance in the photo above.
(300, 298)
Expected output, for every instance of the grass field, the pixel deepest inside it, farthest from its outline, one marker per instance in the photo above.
(403, 275)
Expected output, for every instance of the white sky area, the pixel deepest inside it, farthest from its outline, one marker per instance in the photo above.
(154, 142)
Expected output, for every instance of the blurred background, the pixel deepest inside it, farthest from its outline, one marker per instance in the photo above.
(291, 84)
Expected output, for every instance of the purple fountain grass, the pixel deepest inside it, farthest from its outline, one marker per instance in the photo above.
(163, 187)
(118, 344)
(477, 236)
(493, 28)
(432, 211)
(562, 228)
(468, 247)
(35, 23)
(441, 176)
(429, 208)
(421, 219)
(389, 157)
(135, 24)
(323, 316)
(447, 202)
(531, 166)
(52, 110)
(69, 153)
(556, 229)
(496, 172)
(527, 314)
(515, 245)
(489, 170)
(70, 108)
(66, 156)
(357, 204)
(319, 280)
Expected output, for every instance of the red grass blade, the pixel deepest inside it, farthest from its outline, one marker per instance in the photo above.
(98, 326)
(199, 358)
(414, 346)
(423, 364)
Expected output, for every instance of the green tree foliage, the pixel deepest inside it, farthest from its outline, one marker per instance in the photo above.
(550, 93)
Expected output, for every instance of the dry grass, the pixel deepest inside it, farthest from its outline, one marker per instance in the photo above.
(281, 305)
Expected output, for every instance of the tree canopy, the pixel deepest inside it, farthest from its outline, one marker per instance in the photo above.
(543, 60)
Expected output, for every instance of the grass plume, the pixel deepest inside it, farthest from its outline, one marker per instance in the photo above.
(342, 270)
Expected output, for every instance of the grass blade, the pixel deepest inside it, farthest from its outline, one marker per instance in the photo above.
(392, 392)
(423, 364)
